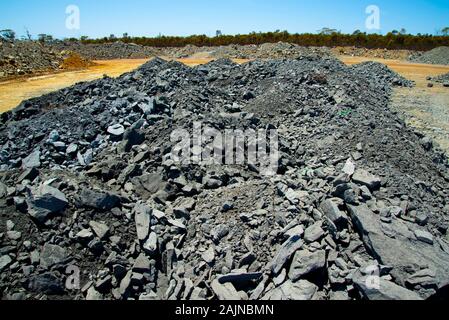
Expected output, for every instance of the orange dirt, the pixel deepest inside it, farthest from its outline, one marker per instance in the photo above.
(75, 62)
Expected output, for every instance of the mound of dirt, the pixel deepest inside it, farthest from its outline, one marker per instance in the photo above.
(27, 57)
(108, 51)
(73, 61)
(373, 53)
(438, 55)
(91, 178)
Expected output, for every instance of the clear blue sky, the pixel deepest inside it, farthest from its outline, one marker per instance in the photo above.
(100, 18)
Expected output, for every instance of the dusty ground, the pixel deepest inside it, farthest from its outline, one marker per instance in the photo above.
(424, 108)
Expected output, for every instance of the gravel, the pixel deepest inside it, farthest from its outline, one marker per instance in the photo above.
(352, 187)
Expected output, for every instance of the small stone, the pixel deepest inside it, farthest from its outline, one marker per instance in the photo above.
(305, 262)
(100, 229)
(365, 178)
(314, 232)
(14, 235)
(5, 261)
(151, 244)
(424, 236)
(102, 201)
(116, 130)
(52, 255)
(32, 161)
(142, 215)
(209, 255)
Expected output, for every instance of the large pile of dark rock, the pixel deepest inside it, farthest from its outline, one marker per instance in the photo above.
(107, 51)
(88, 183)
(27, 57)
(269, 51)
(438, 55)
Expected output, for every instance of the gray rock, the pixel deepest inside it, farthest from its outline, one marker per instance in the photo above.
(142, 216)
(32, 161)
(331, 210)
(209, 255)
(5, 261)
(301, 290)
(219, 232)
(100, 229)
(3, 190)
(365, 178)
(102, 201)
(381, 289)
(399, 250)
(424, 236)
(151, 244)
(225, 292)
(239, 278)
(94, 295)
(305, 262)
(45, 202)
(289, 247)
(52, 255)
(116, 130)
(46, 283)
(314, 232)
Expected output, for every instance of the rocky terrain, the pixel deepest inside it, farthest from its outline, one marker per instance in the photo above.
(25, 58)
(443, 79)
(373, 53)
(88, 182)
(438, 55)
(107, 51)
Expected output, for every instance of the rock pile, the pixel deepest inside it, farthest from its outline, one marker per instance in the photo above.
(268, 51)
(107, 51)
(88, 182)
(27, 57)
(373, 53)
(443, 79)
(438, 55)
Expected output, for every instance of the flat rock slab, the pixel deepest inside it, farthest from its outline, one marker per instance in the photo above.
(395, 245)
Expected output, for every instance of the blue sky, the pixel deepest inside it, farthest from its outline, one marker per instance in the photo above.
(100, 18)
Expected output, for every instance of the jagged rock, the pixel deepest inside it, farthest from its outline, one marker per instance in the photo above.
(46, 283)
(142, 214)
(32, 161)
(399, 250)
(305, 262)
(225, 291)
(100, 229)
(5, 261)
(424, 236)
(52, 255)
(102, 201)
(287, 249)
(46, 201)
(314, 232)
(331, 210)
(365, 178)
(380, 289)
(302, 290)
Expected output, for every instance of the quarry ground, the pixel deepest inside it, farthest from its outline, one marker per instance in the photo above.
(426, 109)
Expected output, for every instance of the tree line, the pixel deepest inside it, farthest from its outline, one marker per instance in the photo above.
(325, 37)
(392, 40)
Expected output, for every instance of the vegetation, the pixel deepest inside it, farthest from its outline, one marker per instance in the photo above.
(326, 37)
